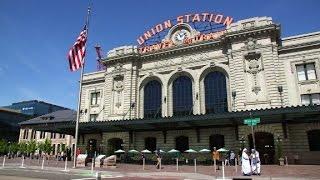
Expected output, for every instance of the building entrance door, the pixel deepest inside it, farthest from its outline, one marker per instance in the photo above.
(264, 145)
(113, 145)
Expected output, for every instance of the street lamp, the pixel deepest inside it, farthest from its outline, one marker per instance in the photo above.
(9, 149)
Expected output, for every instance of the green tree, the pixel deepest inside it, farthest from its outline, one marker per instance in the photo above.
(3, 146)
(14, 148)
(41, 147)
(47, 146)
(32, 147)
(22, 146)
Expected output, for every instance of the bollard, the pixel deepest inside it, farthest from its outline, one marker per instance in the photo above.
(177, 162)
(215, 165)
(4, 160)
(98, 175)
(22, 162)
(160, 164)
(66, 164)
(143, 163)
(236, 164)
(42, 163)
(195, 165)
(286, 161)
(92, 166)
(222, 170)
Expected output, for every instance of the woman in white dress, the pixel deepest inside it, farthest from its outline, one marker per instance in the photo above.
(245, 166)
(255, 162)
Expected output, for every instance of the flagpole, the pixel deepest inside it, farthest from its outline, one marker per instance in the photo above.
(79, 97)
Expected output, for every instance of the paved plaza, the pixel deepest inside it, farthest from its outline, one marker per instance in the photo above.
(135, 171)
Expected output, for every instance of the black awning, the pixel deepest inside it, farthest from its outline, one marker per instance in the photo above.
(299, 114)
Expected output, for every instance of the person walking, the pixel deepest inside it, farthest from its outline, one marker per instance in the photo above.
(255, 162)
(158, 158)
(216, 157)
(245, 165)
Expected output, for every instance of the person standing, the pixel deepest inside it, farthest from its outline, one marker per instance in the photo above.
(158, 158)
(232, 158)
(255, 162)
(216, 157)
(245, 163)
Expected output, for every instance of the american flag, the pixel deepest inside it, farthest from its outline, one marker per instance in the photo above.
(78, 51)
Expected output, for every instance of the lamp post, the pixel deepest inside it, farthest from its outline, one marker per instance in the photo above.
(9, 149)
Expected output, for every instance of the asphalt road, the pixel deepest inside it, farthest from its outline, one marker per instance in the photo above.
(31, 174)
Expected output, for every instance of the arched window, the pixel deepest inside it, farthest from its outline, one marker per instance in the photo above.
(182, 96)
(182, 143)
(216, 93)
(150, 143)
(152, 99)
(314, 140)
(216, 140)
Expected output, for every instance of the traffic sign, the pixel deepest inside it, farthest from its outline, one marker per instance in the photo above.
(252, 121)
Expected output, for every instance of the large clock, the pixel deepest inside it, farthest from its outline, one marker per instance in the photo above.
(179, 36)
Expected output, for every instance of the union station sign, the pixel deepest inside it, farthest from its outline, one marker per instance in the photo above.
(183, 30)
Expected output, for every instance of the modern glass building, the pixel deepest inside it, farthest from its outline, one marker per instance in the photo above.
(34, 107)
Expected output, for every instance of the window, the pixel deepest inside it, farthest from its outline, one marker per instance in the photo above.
(53, 135)
(25, 133)
(54, 149)
(182, 96)
(95, 98)
(33, 134)
(62, 136)
(310, 99)
(152, 99)
(150, 143)
(314, 140)
(306, 72)
(215, 93)
(42, 135)
(93, 117)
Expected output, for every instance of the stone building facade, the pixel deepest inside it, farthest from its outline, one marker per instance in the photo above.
(197, 95)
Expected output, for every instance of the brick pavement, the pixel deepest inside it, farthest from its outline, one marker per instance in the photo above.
(296, 171)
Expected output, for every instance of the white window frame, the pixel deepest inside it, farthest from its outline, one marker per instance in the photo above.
(305, 74)
(310, 98)
(95, 100)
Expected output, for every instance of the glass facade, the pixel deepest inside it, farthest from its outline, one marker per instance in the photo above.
(182, 96)
(215, 93)
(152, 99)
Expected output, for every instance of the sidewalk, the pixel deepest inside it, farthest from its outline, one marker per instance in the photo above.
(185, 171)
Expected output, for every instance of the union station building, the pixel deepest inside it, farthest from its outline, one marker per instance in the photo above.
(192, 89)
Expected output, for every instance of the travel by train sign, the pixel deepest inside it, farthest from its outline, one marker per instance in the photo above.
(184, 30)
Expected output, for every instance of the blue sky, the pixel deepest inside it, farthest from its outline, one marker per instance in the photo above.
(36, 36)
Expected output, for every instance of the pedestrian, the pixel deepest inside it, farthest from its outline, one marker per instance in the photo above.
(245, 163)
(216, 157)
(255, 162)
(227, 159)
(232, 158)
(78, 152)
(158, 158)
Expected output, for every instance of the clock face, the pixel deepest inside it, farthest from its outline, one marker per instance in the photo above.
(180, 35)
